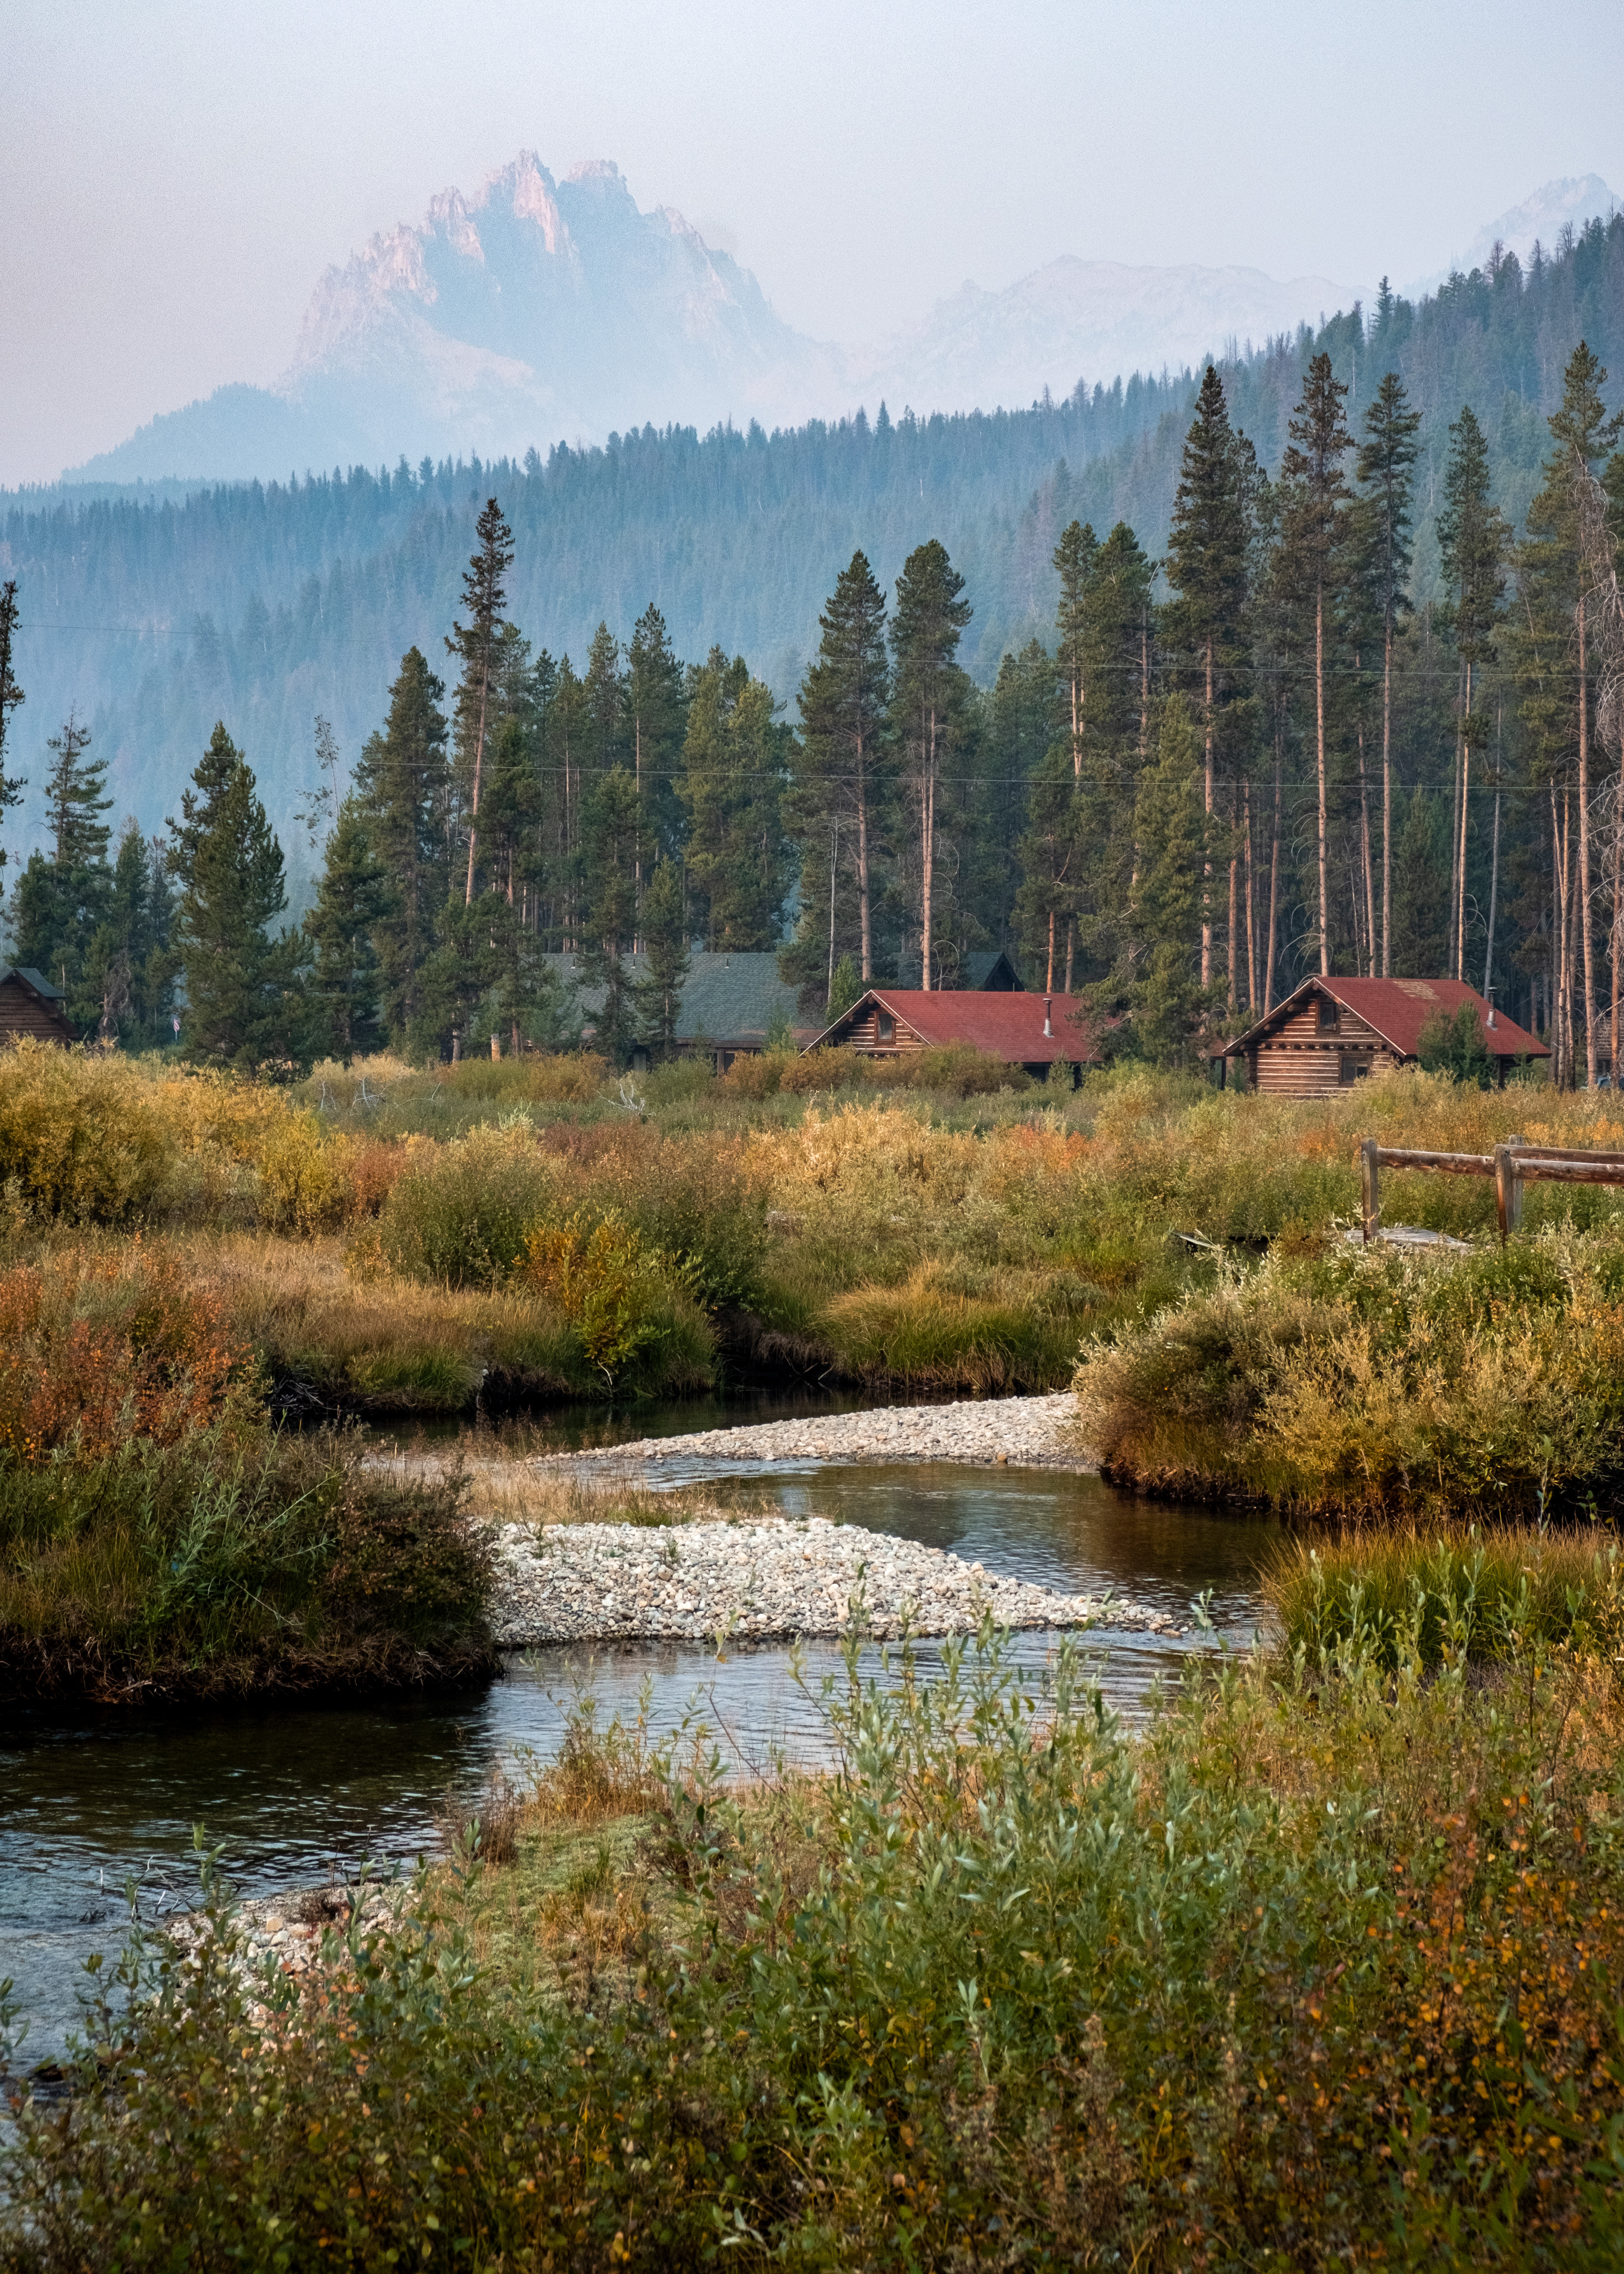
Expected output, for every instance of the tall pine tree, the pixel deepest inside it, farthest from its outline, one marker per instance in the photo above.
(838, 799)
(402, 785)
(241, 986)
(1313, 515)
(1205, 634)
(1385, 470)
(930, 700)
(476, 645)
(1473, 539)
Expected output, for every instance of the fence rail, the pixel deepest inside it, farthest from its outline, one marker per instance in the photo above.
(1512, 1166)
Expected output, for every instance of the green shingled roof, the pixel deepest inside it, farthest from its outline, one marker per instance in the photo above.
(726, 999)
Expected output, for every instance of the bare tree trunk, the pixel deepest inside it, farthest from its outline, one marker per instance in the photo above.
(1585, 927)
(1325, 913)
(1464, 779)
(473, 834)
(1618, 876)
(1234, 927)
(1049, 975)
(1071, 946)
(928, 824)
(1268, 967)
(864, 917)
(1207, 863)
(834, 863)
(1251, 927)
(1488, 957)
(1364, 851)
(1386, 804)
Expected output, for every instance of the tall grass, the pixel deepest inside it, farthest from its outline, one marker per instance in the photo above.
(220, 1566)
(1421, 1596)
(1321, 1972)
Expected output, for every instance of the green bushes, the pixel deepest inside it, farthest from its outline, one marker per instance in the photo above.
(220, 1565)
(1373, 1383)
(461, 1214)
(1322, 1972)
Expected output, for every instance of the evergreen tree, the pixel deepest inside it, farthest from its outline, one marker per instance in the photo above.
(10, 695)
(400, 786)
(1164, 994)
(838, 801)
(485, 599)
(1047, 897)
(1420, 893)
(353, 897)
(609, 834)
(130, 961)
(1551, 649)
(730, 786)
(1313, 511)
(1473, 539)
(658, 993)
(928, 704)
(1205, 629)
(73, 801)
(1026, 717)
(241, 988)
(61, 897)
(1385, 470)
(603, 719)
(1074, 560)
(655, 712)
(1118, 625)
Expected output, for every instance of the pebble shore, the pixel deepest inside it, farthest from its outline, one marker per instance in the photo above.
(761, 1581)
(1028, 1433)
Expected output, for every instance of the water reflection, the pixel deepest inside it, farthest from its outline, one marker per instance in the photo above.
(296, 1793)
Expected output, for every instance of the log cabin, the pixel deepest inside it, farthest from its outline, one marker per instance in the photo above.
(1331, 1033)
(29, 1005)
(1030, 1031)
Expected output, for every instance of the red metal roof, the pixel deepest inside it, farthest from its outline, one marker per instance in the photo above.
(1399, 1008)
(1005, 1025)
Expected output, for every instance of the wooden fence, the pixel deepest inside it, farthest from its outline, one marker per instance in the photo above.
(1512, 1166)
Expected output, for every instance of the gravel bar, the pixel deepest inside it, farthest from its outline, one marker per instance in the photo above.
(1028, 1433)
(761, 1581)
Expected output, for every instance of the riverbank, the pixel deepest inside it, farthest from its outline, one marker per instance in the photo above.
(760, 1581)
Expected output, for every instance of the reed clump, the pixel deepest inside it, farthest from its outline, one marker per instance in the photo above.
(1428, 1595)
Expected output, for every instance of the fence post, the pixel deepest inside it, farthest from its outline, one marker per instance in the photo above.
(1369, 1176)
(1508, 1186)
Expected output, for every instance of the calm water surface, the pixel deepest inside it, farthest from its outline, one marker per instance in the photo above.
(91, 1801)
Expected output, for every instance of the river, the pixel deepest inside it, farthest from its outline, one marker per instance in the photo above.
(93, 1800)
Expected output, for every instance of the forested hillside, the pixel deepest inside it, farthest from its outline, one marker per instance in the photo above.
(266, 604)
(1323, 669)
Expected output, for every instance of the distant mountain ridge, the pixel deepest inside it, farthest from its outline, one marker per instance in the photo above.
(540, 310)
(1539, 219)
(537, 309)
(1099, 319)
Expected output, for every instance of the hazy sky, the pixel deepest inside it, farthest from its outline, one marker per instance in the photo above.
(176, 175)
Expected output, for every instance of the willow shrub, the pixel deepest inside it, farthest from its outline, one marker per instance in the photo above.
(1373, 1382)
(1321, 1972)
(461, 1214)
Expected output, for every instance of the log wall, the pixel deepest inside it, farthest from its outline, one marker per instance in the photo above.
(1302, 1058)
(23, 1012)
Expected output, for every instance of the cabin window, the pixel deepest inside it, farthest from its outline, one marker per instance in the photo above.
(1329, 1015)
(1348, 1070)
(885, 1026)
